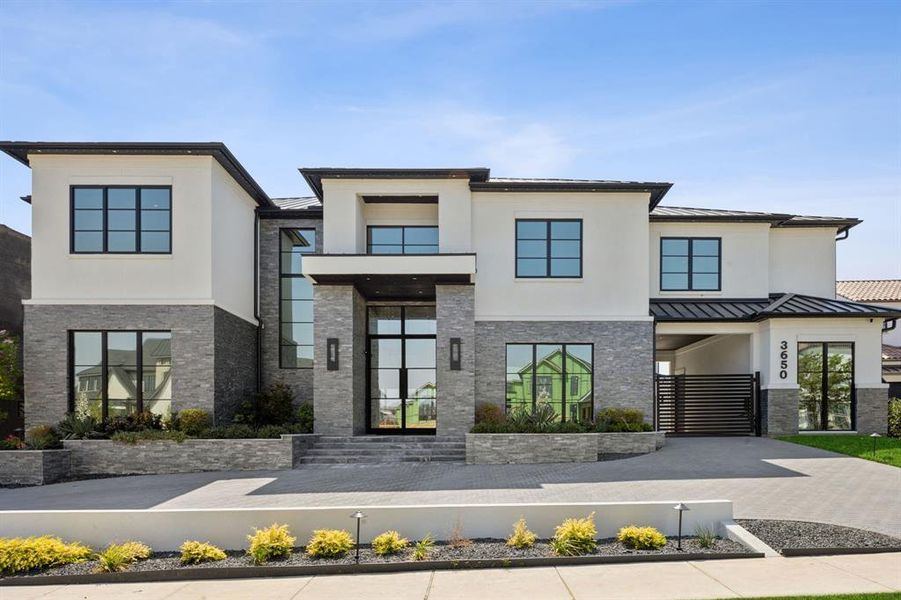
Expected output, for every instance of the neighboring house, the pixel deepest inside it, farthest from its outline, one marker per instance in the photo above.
(396, 299)
(885, 292)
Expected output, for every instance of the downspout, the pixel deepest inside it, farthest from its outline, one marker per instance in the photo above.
(654, 370)
(256, 299)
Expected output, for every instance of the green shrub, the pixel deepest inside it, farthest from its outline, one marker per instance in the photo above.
(389, 542)
(304, 418)
(423, 548)
(231, 432)
(78, 427)
(894, 417)
(329, 543)
(42, 437)
(274, 405)
(12, 442)
(522, 537)
(574, 537)
(118, 557)
(148, 435)
(272, 431)
(641, 538)
(10, 367)
(489, 413)
(705, 536)
(271, 542)
(18, 555)
(134, 422)
(616, 420)
(193, 552)
(193, 421)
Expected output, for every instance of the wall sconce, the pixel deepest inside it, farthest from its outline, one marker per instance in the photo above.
(331, 351)
(455, 354)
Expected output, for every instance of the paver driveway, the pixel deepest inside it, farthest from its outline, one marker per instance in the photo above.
(764, 478)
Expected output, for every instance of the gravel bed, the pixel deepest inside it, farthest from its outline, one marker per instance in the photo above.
(805, 534)
(479, 549)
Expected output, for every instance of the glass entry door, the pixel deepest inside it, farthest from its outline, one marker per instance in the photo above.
(826, 380)
(402, 376)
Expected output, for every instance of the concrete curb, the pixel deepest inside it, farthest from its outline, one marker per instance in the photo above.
(737, 533)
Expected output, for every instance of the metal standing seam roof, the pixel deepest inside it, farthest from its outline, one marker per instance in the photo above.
(683, 213)
(299, 203)
(777, 305)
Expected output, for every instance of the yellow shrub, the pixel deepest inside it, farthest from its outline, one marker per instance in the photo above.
(272, 542)
(522, 537)
(575, 536)
(389, 542)
(193, 552)
(18, 555)
(641, 538)
(117, 557)
(329, 543)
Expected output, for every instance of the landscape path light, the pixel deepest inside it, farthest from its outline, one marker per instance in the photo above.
(874, 435)
(359, 516)
(681, 508)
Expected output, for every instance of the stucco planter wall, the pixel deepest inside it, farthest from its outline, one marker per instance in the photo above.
(105, 457)
(630, 443)
(33, 467)
(530, 448)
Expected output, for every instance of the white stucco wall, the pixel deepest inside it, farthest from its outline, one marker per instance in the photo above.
(614, 257)
(744, 252)
(184, 276)
(345, 214)
(892, 337)
(717, 355)
(802, 260)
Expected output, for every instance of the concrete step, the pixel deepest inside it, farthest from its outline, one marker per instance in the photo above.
(352, 459)
(377, 447)
(316, 450)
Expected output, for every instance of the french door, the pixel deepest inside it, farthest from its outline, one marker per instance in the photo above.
(402, 387)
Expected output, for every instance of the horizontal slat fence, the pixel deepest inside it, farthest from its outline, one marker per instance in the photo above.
(707, 404)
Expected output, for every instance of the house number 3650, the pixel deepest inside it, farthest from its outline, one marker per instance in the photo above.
(783, 356)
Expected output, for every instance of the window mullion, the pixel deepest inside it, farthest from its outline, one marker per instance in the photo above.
(139, 371)
(548, 248)
(105, 220)
(138, 221)
(104, 383)
(563, 385)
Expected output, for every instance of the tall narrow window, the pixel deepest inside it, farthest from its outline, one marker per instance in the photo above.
(559, 375)
(826, 386)
(690, 264)
(121, 220)
(548, 248)
(296, 301)
(116, 373)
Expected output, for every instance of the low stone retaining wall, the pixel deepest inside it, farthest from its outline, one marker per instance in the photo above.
(106, 457)
(527, 448)
(33, 467)
(630, 443)
(532, 448)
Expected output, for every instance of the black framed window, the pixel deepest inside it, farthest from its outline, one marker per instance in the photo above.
(116, 373)
(296, 300)
(561, 375)
(118, 219)
(548, 248)
(826, 386)
(406, 239)
(690, 264)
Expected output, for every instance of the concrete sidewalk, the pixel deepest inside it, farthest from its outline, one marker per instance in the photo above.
(734, 578)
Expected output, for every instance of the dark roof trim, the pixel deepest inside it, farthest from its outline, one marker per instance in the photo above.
(696, 215)
(289, 213)
(26, 198)
(314, 175)
(657, 190)
(776, 306)
(369, 199)
(218, 150)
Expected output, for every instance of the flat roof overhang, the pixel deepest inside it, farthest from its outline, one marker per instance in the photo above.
(391, 276)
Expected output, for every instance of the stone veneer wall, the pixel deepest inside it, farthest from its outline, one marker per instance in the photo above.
(631, 443)
(623, 358)
(779, 411)
(530, 448)
(872, 411)
(300, 380)
(106, 457)
(455, 307)
(33, 467)
(235, 348)
(339, 311)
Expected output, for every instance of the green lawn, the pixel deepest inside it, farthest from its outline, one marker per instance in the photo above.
(882, 596)
(888, 450)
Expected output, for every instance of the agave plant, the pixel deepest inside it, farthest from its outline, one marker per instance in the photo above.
(77, 427)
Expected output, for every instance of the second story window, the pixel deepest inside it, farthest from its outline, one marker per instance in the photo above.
(296, 300)
(408, 239)
(690, 264)
(548, 248)
(121, 220)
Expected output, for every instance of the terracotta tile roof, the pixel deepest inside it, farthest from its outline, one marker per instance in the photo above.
(891, 352)
(870, 290)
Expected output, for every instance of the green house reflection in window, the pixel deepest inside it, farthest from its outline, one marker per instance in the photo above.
(559, 375)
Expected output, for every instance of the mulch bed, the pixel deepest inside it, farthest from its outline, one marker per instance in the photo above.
(479, 550)
(805, 537)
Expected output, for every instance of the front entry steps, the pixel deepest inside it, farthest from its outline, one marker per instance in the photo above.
(375, 449)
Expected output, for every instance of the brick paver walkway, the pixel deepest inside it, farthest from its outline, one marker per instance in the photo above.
(764, 478)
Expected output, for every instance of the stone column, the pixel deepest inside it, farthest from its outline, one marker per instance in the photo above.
(872, 410)
(339, 396)
(779, 411)
(455, 305)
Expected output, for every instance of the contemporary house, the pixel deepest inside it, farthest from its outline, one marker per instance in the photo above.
(396, 300)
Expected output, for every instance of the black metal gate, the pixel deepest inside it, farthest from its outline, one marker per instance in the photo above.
(708, 404)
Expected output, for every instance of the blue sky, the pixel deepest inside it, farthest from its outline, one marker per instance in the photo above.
(791, 107)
